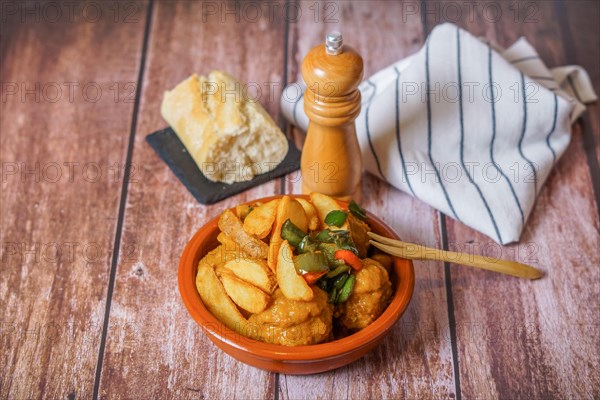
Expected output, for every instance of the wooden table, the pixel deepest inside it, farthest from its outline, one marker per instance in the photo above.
(93, 223)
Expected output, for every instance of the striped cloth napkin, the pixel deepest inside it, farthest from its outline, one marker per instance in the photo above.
(479, 144)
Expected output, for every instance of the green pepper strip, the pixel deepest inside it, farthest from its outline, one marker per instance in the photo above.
(338, 270)
(338, 283)
(292, 233)
(333, 295)
(357, 210)
(311, 262)
(307, 245)
(324, 236)
(336, 218)
(329, 250)
(346, 290)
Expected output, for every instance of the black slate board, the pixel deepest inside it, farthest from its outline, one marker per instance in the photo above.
(170, 149)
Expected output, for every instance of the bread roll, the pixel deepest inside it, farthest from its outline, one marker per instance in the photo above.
(231, 138)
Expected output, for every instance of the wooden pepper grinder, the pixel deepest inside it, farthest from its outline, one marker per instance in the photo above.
(331, 160)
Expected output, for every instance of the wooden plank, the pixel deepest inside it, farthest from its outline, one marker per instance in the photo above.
(415, 360)
(65, 122)
(165, 354)
(521, 339)
(580, 33)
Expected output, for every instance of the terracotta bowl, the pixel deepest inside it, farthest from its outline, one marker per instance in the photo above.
(284, 359)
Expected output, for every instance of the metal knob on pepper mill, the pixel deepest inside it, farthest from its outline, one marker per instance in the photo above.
(331, 160)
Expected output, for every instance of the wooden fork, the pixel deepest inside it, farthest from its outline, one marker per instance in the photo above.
(416, 252)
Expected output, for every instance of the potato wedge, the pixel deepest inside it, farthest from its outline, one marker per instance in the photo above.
(213, 257)
(295, 212)
(231, 225)
(230, 250)
(233, 251)
(311, 214)
(216, 300)
(324, 205)
(292, 285)
(242, 211)
(227, 241)
(260, 221)
(255, 272)
(291, 209)
(245, 295)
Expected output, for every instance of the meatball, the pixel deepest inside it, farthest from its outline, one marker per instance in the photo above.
(292, 322)
(370, 296)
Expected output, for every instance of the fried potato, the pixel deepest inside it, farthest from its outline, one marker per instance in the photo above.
(292, 285)
(245, 295)
(295, 212)
(260, 221)
(233, 251)
(215, 298)
(324, 205)
(231, 225)
(230, 250)
(242, 211)
(213, 258)
(227, 241)
(311, 213)
(291, 209)
(255, 272)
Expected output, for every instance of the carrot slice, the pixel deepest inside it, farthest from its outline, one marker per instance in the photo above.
(312, 277)
(349, 258)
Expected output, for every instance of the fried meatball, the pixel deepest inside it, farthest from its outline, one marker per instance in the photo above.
(370, 296)
(292, 322)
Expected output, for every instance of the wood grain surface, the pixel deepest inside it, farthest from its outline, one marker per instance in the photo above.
(62, 172)
(88, 285)
(166, 354)
(420, 341)
(579, 35)
(524, 339)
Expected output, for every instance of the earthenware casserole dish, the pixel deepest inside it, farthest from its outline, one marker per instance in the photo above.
(300, 359)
